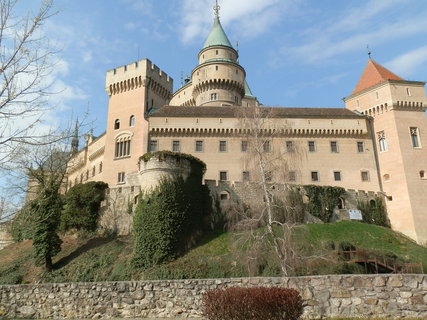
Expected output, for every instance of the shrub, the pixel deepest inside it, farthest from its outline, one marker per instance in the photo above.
(323, 200)
(374, 212)
(81, 209)
(252, 304)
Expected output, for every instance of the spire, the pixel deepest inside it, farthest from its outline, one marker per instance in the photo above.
(75, 141)
(373, 74)
(217, 36)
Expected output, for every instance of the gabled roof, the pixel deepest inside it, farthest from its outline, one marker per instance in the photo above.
(274, 112)
(217, 37)
(373, 74)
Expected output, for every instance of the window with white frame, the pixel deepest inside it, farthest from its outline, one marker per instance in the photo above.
(382, 141)
(122, 148)
(176, 146)
(415, 137)
(153, 146)
(132, 121)
(121, 177)
(334, 146)
(364, 175)
(199, 146)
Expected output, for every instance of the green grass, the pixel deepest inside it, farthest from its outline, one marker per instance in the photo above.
(217, 255)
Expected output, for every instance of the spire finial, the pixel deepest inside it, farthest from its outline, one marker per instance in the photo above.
(216, 9)
(369, 51)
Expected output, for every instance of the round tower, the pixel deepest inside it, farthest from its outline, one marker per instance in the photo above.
(218, 80)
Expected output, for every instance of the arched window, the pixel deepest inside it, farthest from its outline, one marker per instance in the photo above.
(224, 195)
(117, 124)
(132, 121)
(372, 203)
(122, 147)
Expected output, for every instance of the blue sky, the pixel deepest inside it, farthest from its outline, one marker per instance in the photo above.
(297, 53)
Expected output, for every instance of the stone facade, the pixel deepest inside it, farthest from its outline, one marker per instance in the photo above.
(394, 296)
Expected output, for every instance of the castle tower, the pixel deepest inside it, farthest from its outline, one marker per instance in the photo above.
(218, 79)
(398, 109)
(133, 91)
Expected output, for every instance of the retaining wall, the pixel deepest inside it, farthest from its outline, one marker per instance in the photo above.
(395, 296)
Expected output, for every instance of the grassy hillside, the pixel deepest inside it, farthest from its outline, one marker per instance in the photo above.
(217, 255)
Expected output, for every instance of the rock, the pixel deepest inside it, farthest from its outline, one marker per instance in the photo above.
(27, 311)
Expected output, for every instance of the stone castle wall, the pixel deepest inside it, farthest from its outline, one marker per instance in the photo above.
(394, 296)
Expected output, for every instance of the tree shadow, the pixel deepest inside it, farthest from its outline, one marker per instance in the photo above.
(91, 244)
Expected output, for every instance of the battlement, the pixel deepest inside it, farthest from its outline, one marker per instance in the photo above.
(135, 74)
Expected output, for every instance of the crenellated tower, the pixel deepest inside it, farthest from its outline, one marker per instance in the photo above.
(218, 79)
(397, 110)
(133, 90)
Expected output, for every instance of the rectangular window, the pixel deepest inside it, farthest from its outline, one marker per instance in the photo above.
(292, 176)
(122, 149)
(364, 175)
(121, 177)
(223, 176)
(154, 146)
(268, 176)
(199, 145)
(314, 176)
(289, 146)
(93, 171)
(244, 146)
(223, 146)
(312, 146)
(266, 146)
(176, 146)
(382, 141)
(337, 175)
(360, 146)
(415, 137)
(245, 176)
(213, 96)
(334, 146)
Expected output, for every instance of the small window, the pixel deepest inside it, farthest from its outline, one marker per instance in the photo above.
(377, 96)
(314, 176)
(312, 146)
(422, 174)
(386, 177)
(132, 121)
(176, 146)
(360, 146)
(223, 146)
(334, 146)
(292, 176)
(372, 204)
(100, 167)
(408, 92)
(268, 176)
(289, 146)
(216, 52)
(382, 141)
(216, 68)
(245, 176)
(244, 146)
(224, 195)
(87, 174)
(117, 124)
(364, 175)
(81, 177)
(266, 146)
(223, 176)
(357, 103)
(121, 177)
(236, 99)
(93, 171)
(154, 146)
(199, 146)
(214, 96)
(337, 175)
(415, 137)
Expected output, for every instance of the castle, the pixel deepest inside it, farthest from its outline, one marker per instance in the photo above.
(376, 143)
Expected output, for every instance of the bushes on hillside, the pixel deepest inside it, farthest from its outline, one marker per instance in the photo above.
(252, 304)
(374, 212)
(82, 203)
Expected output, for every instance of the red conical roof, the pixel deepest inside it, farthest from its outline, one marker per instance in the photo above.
(374, 74)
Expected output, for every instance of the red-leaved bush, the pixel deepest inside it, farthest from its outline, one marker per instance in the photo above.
(259, 303)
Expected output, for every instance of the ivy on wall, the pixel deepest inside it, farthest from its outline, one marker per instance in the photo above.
(323, 200)
(374, 212)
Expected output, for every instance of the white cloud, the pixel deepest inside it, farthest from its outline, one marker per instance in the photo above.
(250, 17)
(349, 34)
(409, 62)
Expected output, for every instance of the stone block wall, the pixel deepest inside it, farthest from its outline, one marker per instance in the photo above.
(395, 296)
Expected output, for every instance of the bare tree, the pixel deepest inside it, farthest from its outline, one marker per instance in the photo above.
(25, 63)
(279, 207)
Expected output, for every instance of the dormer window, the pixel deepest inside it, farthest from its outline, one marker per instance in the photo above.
(117, 124)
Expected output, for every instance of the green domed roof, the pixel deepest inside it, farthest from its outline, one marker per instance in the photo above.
(217, 37)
